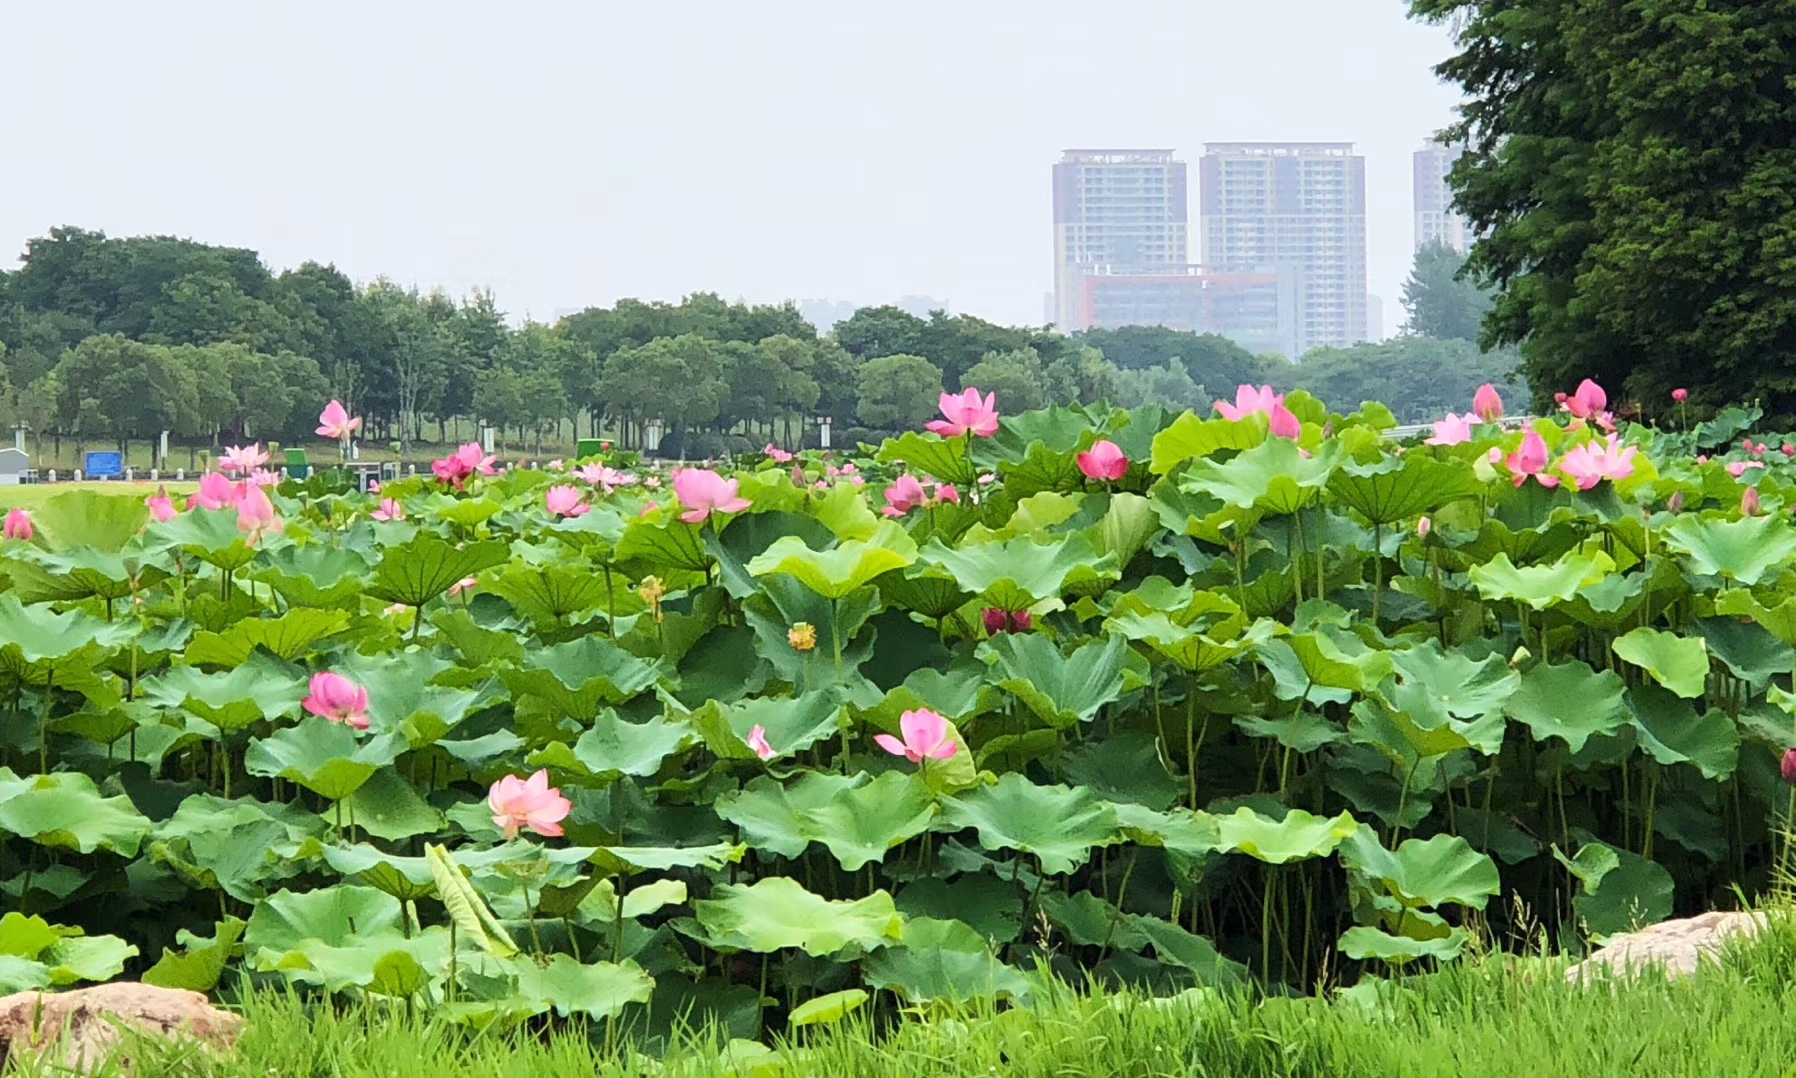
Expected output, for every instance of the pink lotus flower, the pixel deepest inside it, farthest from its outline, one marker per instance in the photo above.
(647, 508)
(463, 586)
(1021, 621)
(605, 477)
(335, 422)
(1588, 402)
(162, 507)
(1591, 463)
(905, 494)
(565, 501)
(216, 492)
(532, 803)
(374, 486)
(1002, 621)
(798, 476)
(1248, 400)
(1788, 766)
(776, 454)
(18, 525)
(338, 699)
(1530, 459)
(1788, 450)
(945, 492)
(1749, 502)
(243, 458)
(1104, 461)
(925, 737)
(1737, 468)
(255, 516)
(1487, 404)
(757, 740)
(1453, 430)
(1423, 527)
(704, 492)
(1680, 395)
(390, 509)
(967, 414)
(463, 464)
(262, 477)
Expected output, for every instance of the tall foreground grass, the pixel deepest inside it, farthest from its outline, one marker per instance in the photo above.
(1495, 1017)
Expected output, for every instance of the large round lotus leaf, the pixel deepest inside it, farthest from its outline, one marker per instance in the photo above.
(315, 574)
(405, 878)
(1336, 659)
(1177, 947)
(1539, 586)
(946, 459)
(992, 906)
(857, 818)
(201, 964)
(1673, 732)
(1190, 437)
(65, 810)
(1452, 684)
(616, 747)
(283, 921)
(1392, 489)
(210, 535)
(791, 725)
(1569, 701)
(1744, 550)
(828, 1008)
(776, 913)
(1191, 649)
(1680, 663)
(1425, 872)
(943, 960)
(784, 602)
(1748, 651)
(576, 678)
(1298, 836)
(37, 634)
(323, 756)
(598, 990)
(1124, 767)
(1361, 943)
(231, 699)
(552, 593)
(1016, 573)
(849, 565)
(1056, 824)
(1063, 690)
(388, 807)
(425, 566)
(291, 636)
(1778, 620)
(1273, 477)
(1632, 894)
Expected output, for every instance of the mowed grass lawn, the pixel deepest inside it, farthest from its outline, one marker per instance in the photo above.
(32, 495)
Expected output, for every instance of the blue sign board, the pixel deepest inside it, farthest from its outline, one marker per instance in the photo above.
(105, 466)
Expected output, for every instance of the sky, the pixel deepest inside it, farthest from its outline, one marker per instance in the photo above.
(568, 154)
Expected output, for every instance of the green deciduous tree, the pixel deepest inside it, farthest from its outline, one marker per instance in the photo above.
(898, 392)
(1443, 301)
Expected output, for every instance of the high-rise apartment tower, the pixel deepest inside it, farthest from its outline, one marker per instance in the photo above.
(1296, 208)
(1436, 219)
(1115, 211)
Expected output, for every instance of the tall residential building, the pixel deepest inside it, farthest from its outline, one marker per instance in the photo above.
(1115, 211)
(1255, 310)
(1298, 209)
(1436, 219)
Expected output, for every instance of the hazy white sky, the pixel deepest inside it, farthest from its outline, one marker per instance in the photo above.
(571, 153)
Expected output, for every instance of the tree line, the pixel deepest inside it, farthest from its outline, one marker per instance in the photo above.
(122, 338)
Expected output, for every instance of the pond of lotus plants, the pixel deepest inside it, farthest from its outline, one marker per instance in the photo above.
(1167, 700)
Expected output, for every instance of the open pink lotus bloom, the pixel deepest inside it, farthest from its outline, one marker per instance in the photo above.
(243, 458)
(532, 803)
(1453, 430)
(390, 509)
(255, 516)
(757, 740)
(216, 492)
(162, 507)
(1588, 402)
(776, 454)
(1487, 403)
(463, 586)
(1737, 468)
(1530, 459)
(18, 525)
(335, 422)
(945, 492)
(565, 501)
(925, 737)
(903, 495)
(1104, 461)
(704, 492)
(1591, 463)
(1248, 400)
(1749, 502)
(338, 699)
(1680, 395)
(605, 477)
(966, 413)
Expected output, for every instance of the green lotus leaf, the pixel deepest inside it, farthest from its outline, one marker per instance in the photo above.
(405, 878)
(290, 636)
(425, 566)
(580, 676)
(1743, 550)
(1063, 690)
(552, 593)
(314, 575)
(260, 688)
(37, 634)
(404, 698)
(848, 566)
(784, 602)
(791, 725)
(1450, 683)
(1190, 438)
(1298, 836)
(201, 965)
(1424, 872)
(65, 811)
(598, 990)
(943, 960)
(239, 847)
(991, 906)
(828, 1008)
(1404, 740)
(775, 913)
(1335, 659)
(775, 817)
(861, 824)
(657, 546)
(625, 860)
(1175, 946)
(1539, 586)
(388, 807)
(285, 920)
(614, 747)
(1672, 732)
(1124, 767)
(1779, 620)
(1748, 651)
(1129, 522)
(1192, 650)
(323, 756)
(1018, 573)
(1393, 489)
(931, 454)
(929, 590)
(1089, 921)
(1631, 895)
(1569, 701)
(89, 518)
(210, 535)
(1056, 824)
(749, 536)
(1273, 477)
(84, 571)
(1362, 942)
(1680, 663)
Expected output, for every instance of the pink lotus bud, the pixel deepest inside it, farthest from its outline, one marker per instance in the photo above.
(1423, 527)
(1680, 395)
(1788, 766)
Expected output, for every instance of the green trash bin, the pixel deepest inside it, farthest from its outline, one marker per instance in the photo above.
(297, 465)
(587, 448)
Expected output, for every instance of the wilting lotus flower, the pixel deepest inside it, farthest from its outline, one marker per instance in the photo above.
(905, 494)
(532, 803)
(1487, 404)
(216, 492)
(389, 509)
(1593, 462)
(966, 414)
(1284, 423)
(18, 525)
(1680, 395)
(565, 501)
(925, 737)
(162, 507)
(802, 635)
(1788, 767)
(1104, 461)
(1675, 503)
(1737, 468)
(463, 586)
(338, 699)
(335, 422)
(1453, 430)
(1749, 502)
(255, 516)
(1530, 459)
(776, 454)
(243, 458)
(704, 492)
(757, 740)
(1588, 402)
